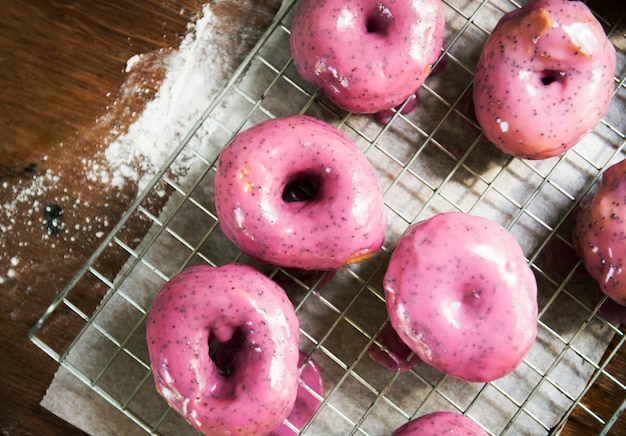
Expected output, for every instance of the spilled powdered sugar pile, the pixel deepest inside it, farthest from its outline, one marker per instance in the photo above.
(192, 74)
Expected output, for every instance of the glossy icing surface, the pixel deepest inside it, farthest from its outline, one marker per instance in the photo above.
(600, 234)
(544, 78)
(461, 295)
(441, 423)
(259, 200)
(249, 386)
(367, 55)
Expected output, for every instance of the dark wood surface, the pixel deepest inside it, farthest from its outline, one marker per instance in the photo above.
(604, 398)
(61, 67)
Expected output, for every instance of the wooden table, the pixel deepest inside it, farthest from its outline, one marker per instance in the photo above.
(61, 66)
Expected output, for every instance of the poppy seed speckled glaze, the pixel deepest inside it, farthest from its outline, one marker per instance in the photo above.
(249, 385)
(599, 236)
(366, 55)
(462, 296)
(441, 423)
(297, 192)
(544, 78)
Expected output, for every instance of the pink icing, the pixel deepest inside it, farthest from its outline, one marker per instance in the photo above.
(413, 100)
(392, 354)
(440, 423)
(341, 220)
(310, 376)
(461, 295)
(367, 55)
(250, 385)
(544, 78)
(385, 115)
(600, 234)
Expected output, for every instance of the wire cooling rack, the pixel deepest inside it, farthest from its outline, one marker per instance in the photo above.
(429, 161)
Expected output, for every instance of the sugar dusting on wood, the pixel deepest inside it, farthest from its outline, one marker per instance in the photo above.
(189, 83)
(134, 148)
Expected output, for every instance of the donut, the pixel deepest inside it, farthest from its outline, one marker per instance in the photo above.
(544, 78)
(440, 423)
(461, 295)
(248, 386)
(599, 235)
(366, 55)
(297, 192)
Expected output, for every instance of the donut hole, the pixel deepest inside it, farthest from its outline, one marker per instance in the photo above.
(223, 353)
(467, 305)
(379, 20)
(302, 187)
(471, 296)
(548, 77)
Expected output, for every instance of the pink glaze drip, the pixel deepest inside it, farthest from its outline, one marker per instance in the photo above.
(461, 295)
(368, 55)
(544, 78)
(466, 107)
(344, 217)
(310, 376)
(385, 115)
(250, 387)
(600, 234)
(560, 259)
(610, 310)
(441, 423)
(392, 354)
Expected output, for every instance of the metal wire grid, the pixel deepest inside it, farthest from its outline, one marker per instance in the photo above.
(429, 161)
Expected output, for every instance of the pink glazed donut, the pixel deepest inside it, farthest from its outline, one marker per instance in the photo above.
(367, 55)
(297, 192)
(248, 386)
(599, 236)
(461, 295)
(544, 78)
(441, 423)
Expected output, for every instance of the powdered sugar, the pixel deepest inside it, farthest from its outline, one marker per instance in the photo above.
(192, 74)
(132, 61)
